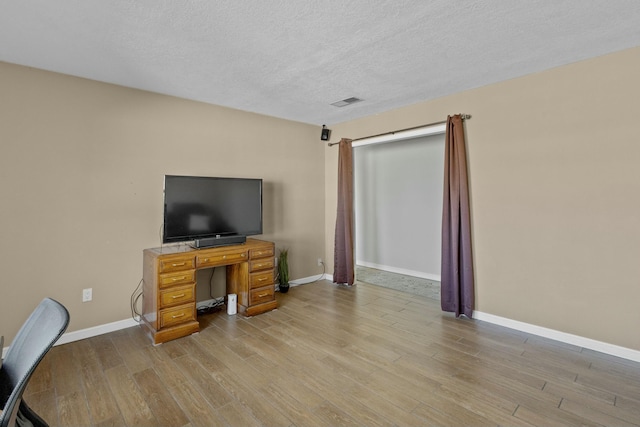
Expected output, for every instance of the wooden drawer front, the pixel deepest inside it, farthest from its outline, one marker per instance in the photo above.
(167, 265)
(261, 264)
(261, 252)
(176, 295)
(260, 295)
(258, 280)
(173, 316)
(204, 260)
(177, 278)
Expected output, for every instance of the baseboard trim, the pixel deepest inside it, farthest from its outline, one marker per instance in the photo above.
(127, 323)
(403, 271)
(96, 330)
(91, 332)
(602, 347)
(310, 279)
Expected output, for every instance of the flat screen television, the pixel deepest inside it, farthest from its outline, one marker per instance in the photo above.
(211, 211)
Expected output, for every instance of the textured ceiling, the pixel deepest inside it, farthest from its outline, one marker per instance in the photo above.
(292, 59)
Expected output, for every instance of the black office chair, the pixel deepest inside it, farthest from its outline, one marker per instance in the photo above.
(35, 338)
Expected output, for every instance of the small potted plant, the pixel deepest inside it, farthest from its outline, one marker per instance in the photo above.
(283, 271)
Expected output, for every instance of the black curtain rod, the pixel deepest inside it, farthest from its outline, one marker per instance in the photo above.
(464, 117)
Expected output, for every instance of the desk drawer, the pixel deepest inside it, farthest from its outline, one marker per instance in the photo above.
(258, 280)
(204, 260)
(261, 264)
(176, 295)
(169, 264)
(261, 252)
(177, 278)
(173, 316)
(260, 295)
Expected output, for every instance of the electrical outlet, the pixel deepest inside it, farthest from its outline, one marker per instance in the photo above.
(320, 262)
(87, 294)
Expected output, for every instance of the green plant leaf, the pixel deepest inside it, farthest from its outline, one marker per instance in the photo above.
(283, 267)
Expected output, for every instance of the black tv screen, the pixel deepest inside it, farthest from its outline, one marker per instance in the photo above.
(209, 207)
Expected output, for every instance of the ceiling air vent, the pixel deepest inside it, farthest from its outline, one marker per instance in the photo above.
(346, 102)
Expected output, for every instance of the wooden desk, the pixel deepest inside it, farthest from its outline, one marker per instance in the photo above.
(169, 276)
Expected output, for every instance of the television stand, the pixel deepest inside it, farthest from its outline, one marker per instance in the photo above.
(169, 282)
(211, 242)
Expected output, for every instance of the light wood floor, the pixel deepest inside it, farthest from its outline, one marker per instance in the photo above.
(360, 356)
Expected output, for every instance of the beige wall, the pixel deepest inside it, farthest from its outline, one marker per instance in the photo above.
(554, 164)
(82, 166)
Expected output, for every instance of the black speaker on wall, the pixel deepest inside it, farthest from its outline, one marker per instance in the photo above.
(326, 134)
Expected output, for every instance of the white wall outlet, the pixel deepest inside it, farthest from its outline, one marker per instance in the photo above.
(87, 294)
(319, 262)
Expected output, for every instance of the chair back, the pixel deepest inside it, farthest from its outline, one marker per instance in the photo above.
(34, 339)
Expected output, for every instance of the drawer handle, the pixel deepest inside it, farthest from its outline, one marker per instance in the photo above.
(259, 265)
(242, 255)
(263, 295)
(175, 279)
(177, 296)
(175, 264)
(177, 315)
(262, 279)
(205, 260)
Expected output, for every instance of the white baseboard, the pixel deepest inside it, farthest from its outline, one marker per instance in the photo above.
(96, 330)
(127, 323)
(310, 279)
(420, 274)
(91, 332)
(603, 347)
